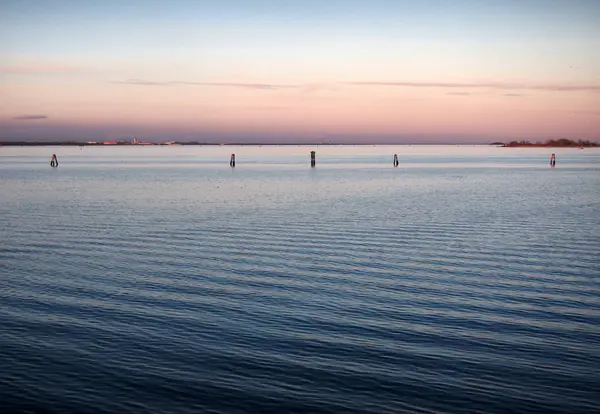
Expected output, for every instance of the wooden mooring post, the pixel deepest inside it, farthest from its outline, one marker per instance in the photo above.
(232, 161)
(312, 158)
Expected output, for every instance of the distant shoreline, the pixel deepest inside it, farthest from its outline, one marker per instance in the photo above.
(551, 143)
(514, 144)
(548, 146)
(212, 144)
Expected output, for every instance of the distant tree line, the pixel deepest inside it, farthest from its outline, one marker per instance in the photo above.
(562, 142)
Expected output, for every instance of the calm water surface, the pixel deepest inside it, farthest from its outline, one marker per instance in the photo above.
(158, 279)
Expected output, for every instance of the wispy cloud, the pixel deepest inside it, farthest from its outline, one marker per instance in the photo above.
(29, 117)
(262, 86)
(556, 87)
(559, 87)
(320, 87)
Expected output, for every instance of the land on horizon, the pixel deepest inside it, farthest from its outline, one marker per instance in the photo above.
(551, 143)
(560, 143)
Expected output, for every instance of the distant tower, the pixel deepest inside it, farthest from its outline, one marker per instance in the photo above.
(134, 140)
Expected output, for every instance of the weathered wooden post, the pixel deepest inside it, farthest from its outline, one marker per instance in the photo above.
(54, 161)
(312, 158)
(396, 160)
(232, 161)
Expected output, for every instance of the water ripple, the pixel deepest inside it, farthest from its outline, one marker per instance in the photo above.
(183, 287)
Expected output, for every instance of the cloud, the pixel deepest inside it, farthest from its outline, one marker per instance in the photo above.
(262, 86)
(551, 87)
(320, 87)
(558, 87)
(29, 117)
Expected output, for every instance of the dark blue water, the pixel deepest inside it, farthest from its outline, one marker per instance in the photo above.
(160, 280)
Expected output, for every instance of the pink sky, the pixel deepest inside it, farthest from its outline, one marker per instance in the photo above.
(440, 77)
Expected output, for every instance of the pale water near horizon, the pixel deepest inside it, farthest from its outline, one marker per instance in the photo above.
(158, 279)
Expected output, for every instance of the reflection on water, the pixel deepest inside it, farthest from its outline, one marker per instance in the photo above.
(293, 156)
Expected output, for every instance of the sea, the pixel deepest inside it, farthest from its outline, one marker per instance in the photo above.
(158, 279)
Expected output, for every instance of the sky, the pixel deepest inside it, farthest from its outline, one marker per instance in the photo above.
(365, 71)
